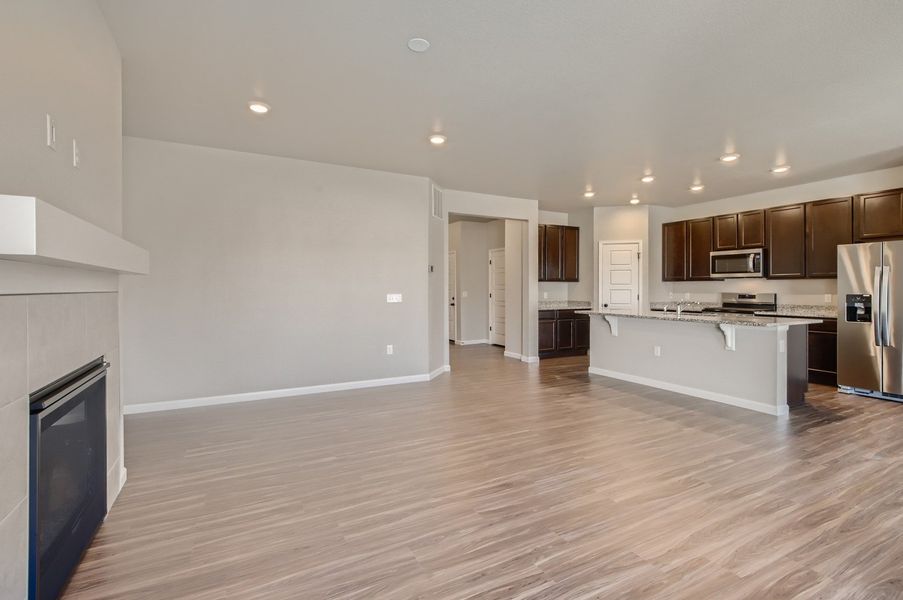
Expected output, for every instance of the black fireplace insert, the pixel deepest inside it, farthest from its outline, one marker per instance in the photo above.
(67, 475)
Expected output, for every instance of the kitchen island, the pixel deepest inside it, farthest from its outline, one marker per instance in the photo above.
(754, 362)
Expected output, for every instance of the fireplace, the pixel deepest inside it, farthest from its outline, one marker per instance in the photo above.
(67, 476)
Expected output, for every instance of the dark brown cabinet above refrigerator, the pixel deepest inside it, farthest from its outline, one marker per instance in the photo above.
(559, 253)
(878, 216)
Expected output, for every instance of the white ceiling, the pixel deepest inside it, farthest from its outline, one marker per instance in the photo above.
(538, 98)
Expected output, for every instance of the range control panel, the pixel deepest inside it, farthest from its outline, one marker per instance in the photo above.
(859, 308)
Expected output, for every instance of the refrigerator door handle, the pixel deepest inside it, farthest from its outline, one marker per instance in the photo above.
(876, 308)
(885, 306)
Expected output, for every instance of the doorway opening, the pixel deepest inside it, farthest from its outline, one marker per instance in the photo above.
(486, 305)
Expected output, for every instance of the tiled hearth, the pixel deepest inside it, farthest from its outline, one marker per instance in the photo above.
(43, 337)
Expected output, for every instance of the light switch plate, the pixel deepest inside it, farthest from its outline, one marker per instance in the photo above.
(390, 298)
(76, 158)
(390, 349)
(51, 132)
(657, 350)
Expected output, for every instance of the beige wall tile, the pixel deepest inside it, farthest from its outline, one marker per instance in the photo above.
(14, 553)
(102, 323)
(56, 337)
(13, 349)
(13, 454)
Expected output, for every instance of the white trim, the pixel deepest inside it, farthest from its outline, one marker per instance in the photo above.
(512, 355)
(440, 371)
(529, 359)
(471, 342)
(147, 407)
(778, 411)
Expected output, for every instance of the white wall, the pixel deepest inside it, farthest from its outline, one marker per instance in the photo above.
(269, 273)
(58, 58)
(802, 291)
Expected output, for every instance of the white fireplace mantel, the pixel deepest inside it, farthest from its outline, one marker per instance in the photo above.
(32, 230)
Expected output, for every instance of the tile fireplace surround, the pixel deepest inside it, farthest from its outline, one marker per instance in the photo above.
(43, 337)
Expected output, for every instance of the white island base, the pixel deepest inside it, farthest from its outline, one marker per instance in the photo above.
(757, 363)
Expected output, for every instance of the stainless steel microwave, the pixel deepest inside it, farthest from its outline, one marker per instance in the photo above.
(738, 263)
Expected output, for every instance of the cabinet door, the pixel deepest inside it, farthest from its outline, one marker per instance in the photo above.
(581, 332)
(674, 251)
(565, 334)
(785, 229)
(879, 215)
(726, 232)
(829, 223)
(570, 253)
(751, 229)
(547, 335)
(553, 253)
(700, 236)
(542, 252)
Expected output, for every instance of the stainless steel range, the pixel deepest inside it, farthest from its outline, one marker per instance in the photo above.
(745, 304)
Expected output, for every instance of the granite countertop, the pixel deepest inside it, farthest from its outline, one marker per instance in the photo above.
(712, 318)
(563, 304)
(805, 311)
(815, 311)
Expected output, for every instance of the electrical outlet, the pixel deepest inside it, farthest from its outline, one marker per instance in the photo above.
(51, 132)
(657, 350)
(545, 295)
(390, 349)
(828, 299)
(391, 298)
(75, 156)
(464, 294)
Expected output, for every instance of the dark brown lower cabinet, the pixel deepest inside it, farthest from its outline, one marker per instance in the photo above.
(823, 352)
(562, 333)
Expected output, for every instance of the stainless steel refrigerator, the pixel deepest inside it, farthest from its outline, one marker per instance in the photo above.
(870, 320)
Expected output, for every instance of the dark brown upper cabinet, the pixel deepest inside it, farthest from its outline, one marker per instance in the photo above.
(785, 236)
(570, 257)
(674, 251)
(559, 253)
(751, 229)
(542, 252)
(878, 215)
(701, 237)
(829, 223)
(553, 253)
(726, 232)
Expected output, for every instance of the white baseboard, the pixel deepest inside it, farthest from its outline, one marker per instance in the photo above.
(147, 407)
(513, 355)
(529, 359)
(778, 411)
(471, 342)
(440, 371)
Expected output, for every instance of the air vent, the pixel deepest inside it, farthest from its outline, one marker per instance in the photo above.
(436, 193)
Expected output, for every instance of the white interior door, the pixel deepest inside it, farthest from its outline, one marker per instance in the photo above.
(452, 296)
(497, 296)
(619, 277)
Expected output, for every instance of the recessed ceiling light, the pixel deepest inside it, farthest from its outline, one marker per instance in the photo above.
(258, 107)
(589, 194)
(418, 45)
(648, 178)
(729, 157)
(437, 139)
(697, 187)
(634, 199)
(780, 169)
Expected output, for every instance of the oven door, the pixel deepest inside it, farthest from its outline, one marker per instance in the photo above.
(737, 263)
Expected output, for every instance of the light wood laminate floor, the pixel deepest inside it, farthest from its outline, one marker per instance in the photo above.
(506, 481)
